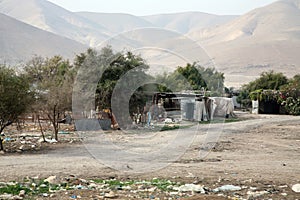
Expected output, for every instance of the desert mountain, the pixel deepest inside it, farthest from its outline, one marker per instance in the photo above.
(188, 21)
(20, 42)
(266, 38)
(50, 17)
(116, 22)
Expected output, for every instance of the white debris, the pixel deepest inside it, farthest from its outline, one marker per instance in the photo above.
(111, 194)
(51, 140)
(22, 193)
(190, 188)
(6, 196)
(296, 188)
(256, 194)
(51, 179)
(227, 188)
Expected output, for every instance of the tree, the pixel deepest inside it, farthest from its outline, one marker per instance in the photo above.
(193, 77)
(15, 97)
(107, 67)
(290, 96)
(52, 79)
(267, 81)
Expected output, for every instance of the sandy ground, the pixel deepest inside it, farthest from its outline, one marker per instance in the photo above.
(260, 151)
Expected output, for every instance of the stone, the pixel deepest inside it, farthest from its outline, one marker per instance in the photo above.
(16, 197)
(296, 188)
(93, 185)
(51, 180)
(190, 188)
(22, 193)
(227, 188)
(111, 195)
(256, 194)
(127, 187)
(6, 196)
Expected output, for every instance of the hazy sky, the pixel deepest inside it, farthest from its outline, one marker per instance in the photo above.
(147, 7)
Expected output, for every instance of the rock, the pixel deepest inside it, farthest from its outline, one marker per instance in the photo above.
(256, 194)
(284, 194)
(93, 186)
(227, 188)
(16, 197)
(2, 152)
(51, 180)
(127, 187)
(173, 193)
(296, 188)
(51, 141)
(45, 195)
(6, 196)
(151, 189)
(111, 195)
(190, 188)
(22, 193)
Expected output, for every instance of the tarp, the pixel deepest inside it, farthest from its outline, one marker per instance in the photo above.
(222, 107)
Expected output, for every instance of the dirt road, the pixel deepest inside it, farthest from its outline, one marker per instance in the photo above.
(264, 149)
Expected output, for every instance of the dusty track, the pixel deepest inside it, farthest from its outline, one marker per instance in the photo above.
(264, 149)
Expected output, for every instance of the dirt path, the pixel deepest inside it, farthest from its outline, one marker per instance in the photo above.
(263, 150)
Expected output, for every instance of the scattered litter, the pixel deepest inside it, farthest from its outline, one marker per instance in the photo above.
(227, 188)
(63, 132)
(296, 188)
(111, 194)
(256, 194)
(51, 180)
(51, 141)
(190, 188)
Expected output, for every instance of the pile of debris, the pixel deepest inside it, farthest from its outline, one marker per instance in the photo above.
(34, 142)
(72, 187)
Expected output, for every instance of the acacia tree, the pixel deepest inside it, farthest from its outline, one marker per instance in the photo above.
(52, 79)
(113, 66)
(15, 97)
(194, 76)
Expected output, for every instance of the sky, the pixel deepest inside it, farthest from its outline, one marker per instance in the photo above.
(149, 7)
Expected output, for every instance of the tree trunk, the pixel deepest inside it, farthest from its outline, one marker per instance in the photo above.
(41, 128)
(1, 140)
(1, 144)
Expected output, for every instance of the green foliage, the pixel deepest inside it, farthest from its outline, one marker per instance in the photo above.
(192, 77)
(261, 88)
(52, 79)
(162, 184)
(168, 127)
(14, 189)
(290, 96)
(264, 95)
(15, 97)
(114, 66)
(274, 87)
(268, 81)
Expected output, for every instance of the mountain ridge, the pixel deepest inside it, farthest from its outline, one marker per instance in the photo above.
(266, 38)
(34, 42)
